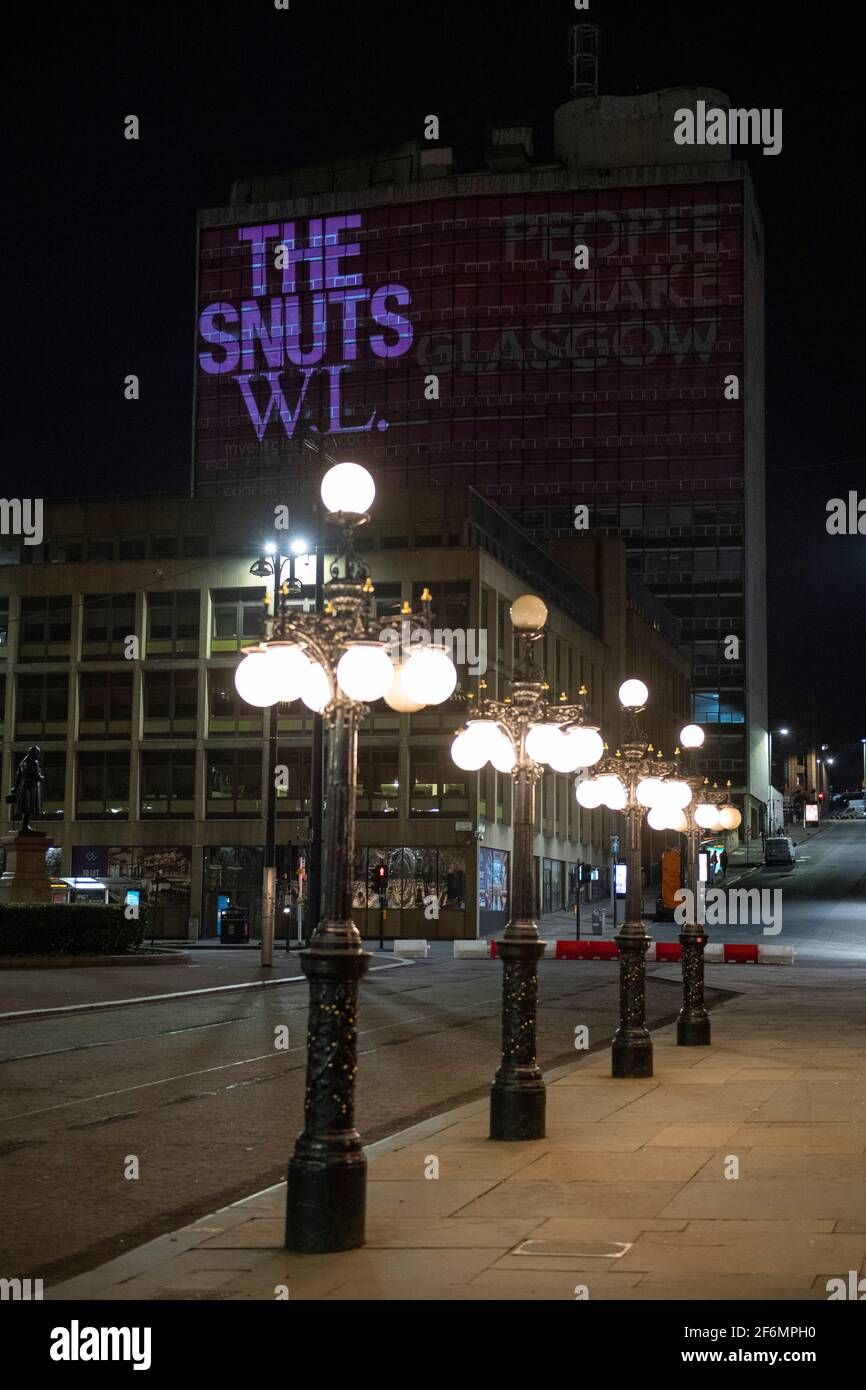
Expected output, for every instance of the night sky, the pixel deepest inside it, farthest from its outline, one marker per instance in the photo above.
(101, 250)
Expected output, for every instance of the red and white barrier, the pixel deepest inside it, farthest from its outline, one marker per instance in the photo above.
(659, 952)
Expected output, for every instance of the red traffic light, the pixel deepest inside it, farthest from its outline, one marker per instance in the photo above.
(820, 796)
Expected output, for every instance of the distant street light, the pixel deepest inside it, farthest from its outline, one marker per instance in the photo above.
(784, 733)
(707, 811)
(633, 781)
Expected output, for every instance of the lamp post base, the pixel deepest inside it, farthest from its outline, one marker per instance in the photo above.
(518, 1110)
(326, 1201)
(693, 1023)
(632, 1048)
(518, 1098)
(327, 1178)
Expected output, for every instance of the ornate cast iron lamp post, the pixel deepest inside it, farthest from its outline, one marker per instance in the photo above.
(629, 782)
(336, 663)
(706, 812)
(518, 736)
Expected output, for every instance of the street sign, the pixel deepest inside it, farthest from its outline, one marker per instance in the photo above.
(614, 844)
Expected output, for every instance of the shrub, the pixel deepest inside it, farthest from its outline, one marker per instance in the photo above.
(68, 929)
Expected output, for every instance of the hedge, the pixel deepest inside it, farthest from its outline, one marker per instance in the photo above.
(68, 929)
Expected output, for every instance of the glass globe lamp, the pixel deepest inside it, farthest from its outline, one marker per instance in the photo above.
(316, 687)
(395, 696)
(254, 680)
(692, 736)
(528, 613)
(588, 794)
(429, 675)
(287, 665)
(364, 671)
(348, 488)
(633, 694)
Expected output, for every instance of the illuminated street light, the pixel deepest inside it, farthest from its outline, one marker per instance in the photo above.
(631, 781)
(518, 736)
(335, 662)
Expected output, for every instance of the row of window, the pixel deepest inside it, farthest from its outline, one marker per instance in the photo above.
(234, 783)
(634, 516)
(97, 550)
(169, 704)
(173, 624)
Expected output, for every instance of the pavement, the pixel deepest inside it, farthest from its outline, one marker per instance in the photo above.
(737, 1171)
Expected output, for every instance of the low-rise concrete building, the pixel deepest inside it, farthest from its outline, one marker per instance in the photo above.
(122, 634)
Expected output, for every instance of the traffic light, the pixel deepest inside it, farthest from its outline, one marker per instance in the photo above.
(380, 879)
(820, 796)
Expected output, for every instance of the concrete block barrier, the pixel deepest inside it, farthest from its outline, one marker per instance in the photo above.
(464, 950)
(776, 955)
(413, 949)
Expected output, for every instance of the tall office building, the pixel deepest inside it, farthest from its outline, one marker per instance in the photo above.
(582, 330)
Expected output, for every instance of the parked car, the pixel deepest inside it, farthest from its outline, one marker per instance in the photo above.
(780, 849)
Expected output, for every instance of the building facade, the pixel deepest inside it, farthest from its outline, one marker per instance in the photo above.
(119, 638)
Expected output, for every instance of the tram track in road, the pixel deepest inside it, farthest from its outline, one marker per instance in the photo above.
(478, 1008)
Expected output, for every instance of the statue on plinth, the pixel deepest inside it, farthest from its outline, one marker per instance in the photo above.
(26, 794)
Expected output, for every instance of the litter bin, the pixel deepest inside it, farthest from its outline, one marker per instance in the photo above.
(235, 930)
(599, 917)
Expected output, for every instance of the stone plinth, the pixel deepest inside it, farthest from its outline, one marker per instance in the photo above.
(26, 878)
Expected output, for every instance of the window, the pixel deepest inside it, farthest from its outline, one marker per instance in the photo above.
(386, 601)
(163, 547)
(378, 781)
(227, 712)
(229, 547)
(132, 548)
(45, 629)
(237, 618)
(437, 786)
(194, 547)
(450, 607)
(67, 551)
(102, 786)
(718, 707)
(100, 550)
(106, 704)
(42, 706)
(107, 620)
(4, 625)
(54, 786)
(294, 799)
(167, 783)
(172, 623)
(731, 560)
(234, 782)
(2, 703)
(170, 703)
